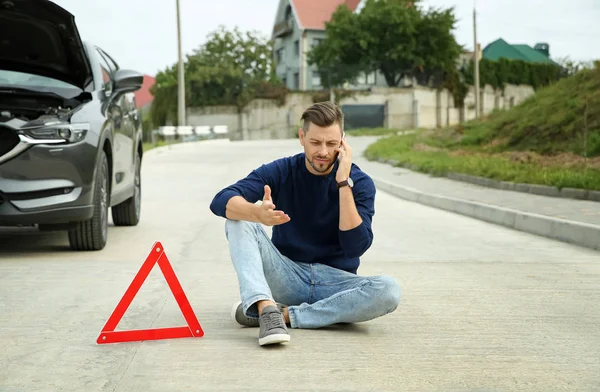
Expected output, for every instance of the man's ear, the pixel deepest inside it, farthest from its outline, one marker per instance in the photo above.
(301, 136)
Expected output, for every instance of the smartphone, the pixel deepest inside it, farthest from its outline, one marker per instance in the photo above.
(337, 154)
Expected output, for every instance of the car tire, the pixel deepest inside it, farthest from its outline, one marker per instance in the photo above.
(93, 233)
(128, 212)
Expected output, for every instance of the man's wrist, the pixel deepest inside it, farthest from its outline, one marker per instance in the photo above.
(345, 182)
(342, 178)
(345, 188)
(342, 175)
(256, 212)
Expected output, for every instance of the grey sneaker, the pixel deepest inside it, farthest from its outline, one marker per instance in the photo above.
(272, 327)
(237, 315)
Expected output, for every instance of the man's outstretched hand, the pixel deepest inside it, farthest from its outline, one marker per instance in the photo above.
(268, 215)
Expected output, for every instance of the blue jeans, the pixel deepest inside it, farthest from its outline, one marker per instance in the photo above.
(316, 295)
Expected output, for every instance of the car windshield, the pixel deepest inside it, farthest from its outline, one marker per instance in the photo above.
(37, 83)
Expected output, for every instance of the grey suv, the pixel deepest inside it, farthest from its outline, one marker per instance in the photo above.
(70, 132)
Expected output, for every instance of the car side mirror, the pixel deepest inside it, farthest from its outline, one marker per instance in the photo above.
(127, 81)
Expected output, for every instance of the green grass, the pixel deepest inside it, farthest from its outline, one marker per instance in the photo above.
(148, 146)
(440, 163)
(547, 124)
(371, 132)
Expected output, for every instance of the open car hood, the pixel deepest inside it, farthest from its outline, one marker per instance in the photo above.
(39, 37)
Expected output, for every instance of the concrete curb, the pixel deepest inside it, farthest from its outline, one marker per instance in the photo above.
(577, 233)
(543, 190)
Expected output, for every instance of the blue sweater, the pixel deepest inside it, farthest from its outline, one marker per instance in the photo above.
(313, 204)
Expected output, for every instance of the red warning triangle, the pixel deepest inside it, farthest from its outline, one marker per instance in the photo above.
(193, 328)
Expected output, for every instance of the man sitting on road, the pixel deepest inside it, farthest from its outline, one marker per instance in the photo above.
(321, 206)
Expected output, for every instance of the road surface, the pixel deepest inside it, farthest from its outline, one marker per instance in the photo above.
(484, 308)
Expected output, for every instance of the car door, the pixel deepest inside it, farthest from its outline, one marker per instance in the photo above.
(131, 124)
(123, 135)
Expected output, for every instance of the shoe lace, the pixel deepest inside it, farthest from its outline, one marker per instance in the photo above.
(273, 320)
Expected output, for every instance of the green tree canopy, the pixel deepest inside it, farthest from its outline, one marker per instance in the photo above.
(226, 70)
(396, 37)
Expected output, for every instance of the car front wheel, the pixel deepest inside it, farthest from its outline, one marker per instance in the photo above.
(93, 233)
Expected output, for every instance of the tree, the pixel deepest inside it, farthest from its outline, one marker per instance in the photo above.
(571, 67)
(395, 37)
(337, 57)
(164, 105)
(226, 70)
(436, 51)
(228, 67)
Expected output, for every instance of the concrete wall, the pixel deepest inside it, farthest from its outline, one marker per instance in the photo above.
(425, 107)
(214, 115)
(398, 105)
(405, 108)
(453, 116)
(264, 119)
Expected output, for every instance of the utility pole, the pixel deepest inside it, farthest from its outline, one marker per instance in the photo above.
(476, 60)
(180, 78)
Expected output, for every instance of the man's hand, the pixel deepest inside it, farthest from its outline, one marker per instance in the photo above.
(268, 216)
(345, 159)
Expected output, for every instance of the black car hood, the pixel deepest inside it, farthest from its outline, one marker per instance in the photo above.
(39, 37)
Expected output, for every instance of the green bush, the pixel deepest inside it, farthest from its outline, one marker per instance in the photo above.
(503, 71)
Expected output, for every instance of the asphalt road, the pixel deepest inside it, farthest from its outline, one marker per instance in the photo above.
(485, 308)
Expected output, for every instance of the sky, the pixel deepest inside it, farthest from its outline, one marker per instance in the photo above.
(142, 34)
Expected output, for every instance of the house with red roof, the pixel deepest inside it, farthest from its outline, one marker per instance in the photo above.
(143, 97)
(300, 25)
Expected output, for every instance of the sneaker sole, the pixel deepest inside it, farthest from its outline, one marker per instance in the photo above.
(274, 339)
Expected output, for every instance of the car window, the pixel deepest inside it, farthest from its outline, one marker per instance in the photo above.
(111, 62)
(107, 73)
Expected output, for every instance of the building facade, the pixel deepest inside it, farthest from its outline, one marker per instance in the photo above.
(299, 26)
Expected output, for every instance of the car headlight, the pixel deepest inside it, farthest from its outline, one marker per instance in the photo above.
(56, 133)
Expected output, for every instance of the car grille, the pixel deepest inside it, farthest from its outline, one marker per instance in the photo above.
(35, 194)
(8, 140)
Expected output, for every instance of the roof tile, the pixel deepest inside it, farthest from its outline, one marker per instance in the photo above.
(314, 13)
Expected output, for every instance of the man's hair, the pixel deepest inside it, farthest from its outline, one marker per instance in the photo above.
(323, 114)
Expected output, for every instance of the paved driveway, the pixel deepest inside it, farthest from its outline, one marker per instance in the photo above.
(484, 308)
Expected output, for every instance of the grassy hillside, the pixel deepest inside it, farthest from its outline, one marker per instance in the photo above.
(551, 121)
(552, 138)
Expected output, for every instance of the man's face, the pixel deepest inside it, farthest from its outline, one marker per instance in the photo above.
(320, 144)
